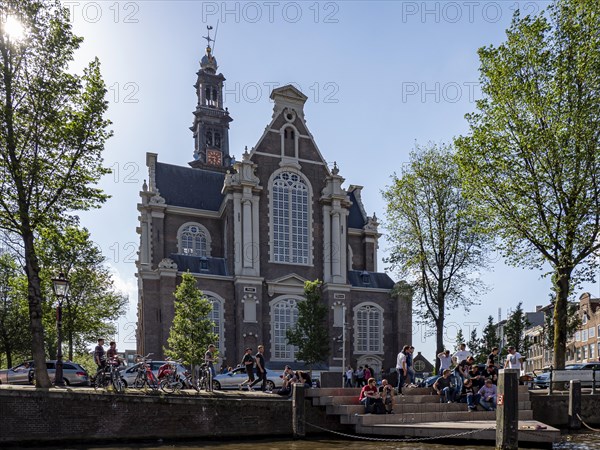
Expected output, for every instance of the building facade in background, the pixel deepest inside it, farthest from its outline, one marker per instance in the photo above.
(253, 231)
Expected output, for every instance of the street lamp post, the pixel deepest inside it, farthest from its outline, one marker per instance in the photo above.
(61, 290)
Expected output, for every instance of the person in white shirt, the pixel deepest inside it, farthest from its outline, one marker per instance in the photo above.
(461, 354)
(349, 375)
(513, 359)
(401, 368)
(445, 360)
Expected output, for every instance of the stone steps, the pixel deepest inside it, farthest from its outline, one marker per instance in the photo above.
(429, 417)
(341, 410)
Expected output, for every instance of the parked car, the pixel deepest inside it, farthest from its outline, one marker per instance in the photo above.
(429, 381)
(542, 381)
(128, 374)
(73, 374)
(232, 379)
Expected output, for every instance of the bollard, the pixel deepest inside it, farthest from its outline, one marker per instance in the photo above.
(574, 405)
(507, 411)
(298, 428)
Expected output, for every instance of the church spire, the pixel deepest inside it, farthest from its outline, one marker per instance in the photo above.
(211, 120)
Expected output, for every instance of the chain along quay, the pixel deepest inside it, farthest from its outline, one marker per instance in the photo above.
(36, 417)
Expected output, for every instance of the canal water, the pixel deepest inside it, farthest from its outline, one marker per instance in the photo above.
(582, 441)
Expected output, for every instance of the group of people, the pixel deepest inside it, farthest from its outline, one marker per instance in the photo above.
(254, 364)
(467, 382)
(101, 356)
(358, 377)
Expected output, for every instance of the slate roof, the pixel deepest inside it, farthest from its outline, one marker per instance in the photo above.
(214, 266)
(355, 218)
(377, 280)
(188, 187)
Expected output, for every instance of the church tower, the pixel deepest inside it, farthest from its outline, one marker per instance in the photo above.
(211, 120)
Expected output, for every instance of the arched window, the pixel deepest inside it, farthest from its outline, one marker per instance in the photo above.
(218, 140)
(290, 218)
(209, 138)
(194, 240)
(216, 315)
(368, 321)
(284, 315)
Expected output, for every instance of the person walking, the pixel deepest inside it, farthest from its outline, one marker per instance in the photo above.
(349, 375)
(261, 371)
(248, 364)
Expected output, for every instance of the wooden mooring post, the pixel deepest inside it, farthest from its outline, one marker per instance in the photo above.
(574, 404)
(298, 412)
(507, 411)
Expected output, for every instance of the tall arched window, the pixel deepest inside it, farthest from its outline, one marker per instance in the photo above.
(194, 240)
(284, 315)
(216, 315)
(290, 218)
(368, 320)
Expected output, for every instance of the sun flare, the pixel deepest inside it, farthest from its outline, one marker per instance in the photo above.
(14, 28)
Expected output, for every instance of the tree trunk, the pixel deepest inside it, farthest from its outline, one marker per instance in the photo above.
(561, 285)
(439, 341)
(34, 294)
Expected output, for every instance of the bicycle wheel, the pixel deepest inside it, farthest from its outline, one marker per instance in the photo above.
(139, 382)
(167, 385)
(118, 383)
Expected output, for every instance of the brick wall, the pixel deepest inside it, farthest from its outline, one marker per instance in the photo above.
(27, 415)
(41, 416)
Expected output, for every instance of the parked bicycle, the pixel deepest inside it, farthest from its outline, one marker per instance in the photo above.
(110, 376)
(145, 377)
(170, 381)
(205, 380)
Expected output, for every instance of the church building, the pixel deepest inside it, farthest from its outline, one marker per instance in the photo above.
(253, 231)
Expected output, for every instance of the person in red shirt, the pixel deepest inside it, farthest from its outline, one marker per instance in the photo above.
(370, 397)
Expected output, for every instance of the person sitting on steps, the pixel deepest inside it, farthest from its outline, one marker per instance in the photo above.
(370, 398)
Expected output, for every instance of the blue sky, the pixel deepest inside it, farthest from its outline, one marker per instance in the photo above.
(380, 76)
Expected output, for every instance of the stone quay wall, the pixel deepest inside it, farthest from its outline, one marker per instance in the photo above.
(47, 416)
(554, 409)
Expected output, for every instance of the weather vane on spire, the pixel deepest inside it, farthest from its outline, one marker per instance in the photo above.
(208, 38)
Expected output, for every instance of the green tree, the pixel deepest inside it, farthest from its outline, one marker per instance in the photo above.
(514, 330)
(474, 345)
(435, 242)
(459, 339)
(531, 161)
(310, 334)
(490, 338)
(93, 304)
(192, 329)
(52, 134)
(14, 337)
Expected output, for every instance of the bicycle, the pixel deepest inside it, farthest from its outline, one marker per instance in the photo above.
(170, 380)
(110, 375)
(144, 376)
(205, 378)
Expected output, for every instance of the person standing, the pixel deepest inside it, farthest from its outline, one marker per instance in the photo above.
(210, 359)
(261, 371)
(492, 357)
(513, 359)
(401, 368)
(248, 364)
(100, 356)
(461, 354)
(445, 360)
(410, 379)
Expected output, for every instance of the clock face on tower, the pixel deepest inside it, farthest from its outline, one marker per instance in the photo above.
(213, 157)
